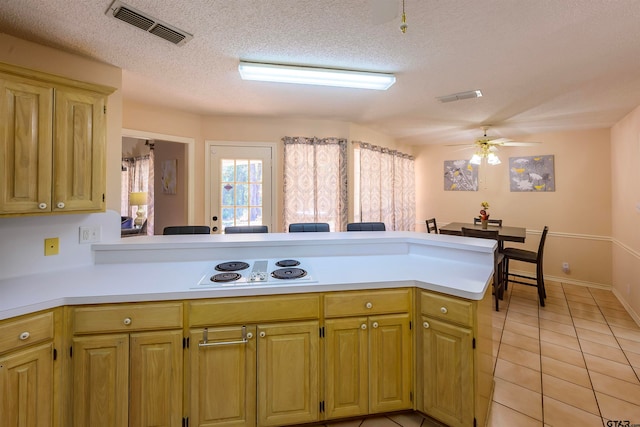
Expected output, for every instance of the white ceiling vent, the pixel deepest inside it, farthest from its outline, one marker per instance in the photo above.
(130, 15)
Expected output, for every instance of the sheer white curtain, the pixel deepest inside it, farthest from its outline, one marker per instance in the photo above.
(315, 181)
(386, 187)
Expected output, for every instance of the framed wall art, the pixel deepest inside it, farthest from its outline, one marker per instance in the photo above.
(532, 173)
(460, 175)
(168, 171)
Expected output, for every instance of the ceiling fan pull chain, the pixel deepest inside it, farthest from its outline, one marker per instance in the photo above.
(403, 26)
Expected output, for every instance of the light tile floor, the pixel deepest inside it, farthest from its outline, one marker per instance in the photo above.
(575, 361)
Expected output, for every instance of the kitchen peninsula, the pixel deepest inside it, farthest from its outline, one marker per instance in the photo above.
(384, 322)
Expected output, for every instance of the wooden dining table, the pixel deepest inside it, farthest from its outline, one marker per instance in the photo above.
(505, 233)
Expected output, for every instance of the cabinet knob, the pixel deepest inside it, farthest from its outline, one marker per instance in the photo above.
(368, 305)
(263, 334)
(375, 324)
(444, 310)
(60, 205)
(24, 336)
(425, 325)
(363, 326)
(249, 335)
(127, 321)
(42, 206)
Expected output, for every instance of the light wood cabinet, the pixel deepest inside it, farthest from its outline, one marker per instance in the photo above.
(454, 360)
(256, 366)
(27, 371)
(127, 364)
(367, 358)
(52, 143)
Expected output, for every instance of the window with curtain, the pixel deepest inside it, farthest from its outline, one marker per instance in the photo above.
(384, 187)
(137, 175)
(315, 181)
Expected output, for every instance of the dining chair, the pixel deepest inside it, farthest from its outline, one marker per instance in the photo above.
(186, 229)
(303, 227)
(533, 257)
(432, 226)
(498, 260)
(240, 229)
(366, 226)
(496, 222)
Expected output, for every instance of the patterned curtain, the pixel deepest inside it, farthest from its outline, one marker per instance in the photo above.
(315, 181)
(387, 187)
(137, 175)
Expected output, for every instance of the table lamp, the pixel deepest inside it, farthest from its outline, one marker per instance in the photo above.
(138, 199)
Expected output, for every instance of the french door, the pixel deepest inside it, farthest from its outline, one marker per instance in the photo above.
(240, 186)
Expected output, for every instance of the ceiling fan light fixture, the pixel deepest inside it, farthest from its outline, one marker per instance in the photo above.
(492, 159)
(476, 159)
(315, 76)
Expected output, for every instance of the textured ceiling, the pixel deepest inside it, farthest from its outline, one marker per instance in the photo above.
(543, 65)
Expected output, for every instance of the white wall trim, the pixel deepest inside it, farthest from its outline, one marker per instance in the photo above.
(626, 248)
(191, 167)
(626, 306)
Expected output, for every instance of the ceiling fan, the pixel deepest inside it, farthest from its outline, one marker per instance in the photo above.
(487, 147)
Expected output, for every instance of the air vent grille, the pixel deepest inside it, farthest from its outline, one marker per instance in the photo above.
(132, 16)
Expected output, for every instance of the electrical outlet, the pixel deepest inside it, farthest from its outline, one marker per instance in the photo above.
(90, 234)
(565, 267)
(51, 246)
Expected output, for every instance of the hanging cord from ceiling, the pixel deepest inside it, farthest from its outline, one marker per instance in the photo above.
(403, 26)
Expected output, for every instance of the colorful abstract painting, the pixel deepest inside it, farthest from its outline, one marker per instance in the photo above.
(460, 175)
(168, 177)
(532, 173)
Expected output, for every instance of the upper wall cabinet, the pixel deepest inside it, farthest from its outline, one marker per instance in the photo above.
(52, 143)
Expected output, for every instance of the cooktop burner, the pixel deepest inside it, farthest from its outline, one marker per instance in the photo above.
(288, 273)
(232, 266)
(226, 277)
(288, 263)
(229, 274)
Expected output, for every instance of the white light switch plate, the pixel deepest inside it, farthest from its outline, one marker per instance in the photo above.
(90, 234)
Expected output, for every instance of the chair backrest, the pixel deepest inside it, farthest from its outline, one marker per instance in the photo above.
(432, 226)
(490, 221)
(238, 229)
(303, 227)
(366, 226)
(541, 244)
(186, 229)
(482, 234)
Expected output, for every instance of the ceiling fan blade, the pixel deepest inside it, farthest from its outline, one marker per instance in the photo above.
(520, 144)
(499, 141)
(461, 145)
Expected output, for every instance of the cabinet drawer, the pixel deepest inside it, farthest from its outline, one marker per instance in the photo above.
(446, 308)
(359, 303)
(225, 311)
(127, 317)
(25, 331)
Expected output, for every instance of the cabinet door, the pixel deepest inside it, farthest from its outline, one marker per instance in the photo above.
(389, 363)
(347, 367)
(25, 147)
(288, 373)
(79, 147)
(447, 372)
(223, 378)
(101, 381)
(155, 379)
(26, 378)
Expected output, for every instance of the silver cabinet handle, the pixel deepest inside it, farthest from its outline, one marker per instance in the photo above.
(375, 324)
(444, 310)
(363, 326)
(127, 321)
(24, 336)
(205, 339)
(60, 205)
(42, 206)
(425, 325)
(368, 305)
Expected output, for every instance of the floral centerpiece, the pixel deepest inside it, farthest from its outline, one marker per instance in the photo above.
(484, 214)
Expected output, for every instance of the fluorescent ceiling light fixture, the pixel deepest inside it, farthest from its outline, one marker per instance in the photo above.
(461, 95)
(315, 76)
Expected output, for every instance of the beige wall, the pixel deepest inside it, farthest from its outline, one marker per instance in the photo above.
(577, 213)
(625, 209)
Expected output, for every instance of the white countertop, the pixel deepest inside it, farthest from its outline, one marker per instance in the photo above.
(169, 268)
